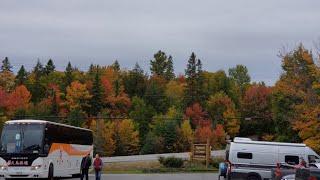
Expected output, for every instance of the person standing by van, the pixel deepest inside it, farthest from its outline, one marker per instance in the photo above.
(85, 165)
(98, 164)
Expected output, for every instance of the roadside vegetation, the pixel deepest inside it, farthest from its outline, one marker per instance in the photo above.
(133, 112)
(163, 165)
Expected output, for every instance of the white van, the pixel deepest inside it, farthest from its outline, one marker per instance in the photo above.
(253, 160)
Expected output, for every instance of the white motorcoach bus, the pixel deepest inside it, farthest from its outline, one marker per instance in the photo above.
(42, 149)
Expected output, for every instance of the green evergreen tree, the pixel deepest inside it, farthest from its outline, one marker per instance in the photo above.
(6, 66)
(92, 70)
(96, 102)
(37, 88)
(169, 74)
(194, 79)
(116, 66)
(50, 67)
(142, 114)
(55, 105)
(155, 95)
(162, 65)
(68, 75)
(135, 82)
(241, 77)
(76, 117)
(21, 77)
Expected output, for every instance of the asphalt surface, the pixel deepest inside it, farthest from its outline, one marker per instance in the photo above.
(193, 176)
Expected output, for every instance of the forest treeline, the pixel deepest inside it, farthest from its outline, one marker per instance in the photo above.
(131, 112)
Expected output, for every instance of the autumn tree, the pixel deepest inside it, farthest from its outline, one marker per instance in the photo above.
(174, 91)
(222, 111)
(256, 104)
(185, 136)
(77, 96)
(197, 116)
(19, 99)
(218, 138)
(7, 80)
(126, 138)
(294, 91)
(104, 133)
(3, 99)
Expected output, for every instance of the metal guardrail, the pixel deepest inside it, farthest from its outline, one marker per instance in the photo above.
(154, 157)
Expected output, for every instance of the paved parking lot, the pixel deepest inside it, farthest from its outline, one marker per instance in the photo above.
(193, 176)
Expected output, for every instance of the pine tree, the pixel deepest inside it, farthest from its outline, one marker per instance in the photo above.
(135, 82)
(68, 74)
(169, 74)
(159, 64)
(6, 66)
(91, 70)
(96, 102)
(21, 76)
(50, 67)
(38, 70)
(193, 91)
(116, 65)
(37, 89)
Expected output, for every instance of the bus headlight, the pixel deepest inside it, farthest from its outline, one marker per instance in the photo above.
(4, 167)
(36, 167)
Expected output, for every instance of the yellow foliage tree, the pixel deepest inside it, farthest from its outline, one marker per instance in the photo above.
(103, 137)
(185, 137)
(126, 137)
(77, 96)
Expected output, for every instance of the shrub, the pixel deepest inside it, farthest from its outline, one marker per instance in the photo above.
(215, 162)
(171, 162)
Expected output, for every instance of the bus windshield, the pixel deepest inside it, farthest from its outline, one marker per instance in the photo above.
(22, 138)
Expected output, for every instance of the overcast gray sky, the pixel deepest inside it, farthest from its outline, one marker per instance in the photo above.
(221, 33)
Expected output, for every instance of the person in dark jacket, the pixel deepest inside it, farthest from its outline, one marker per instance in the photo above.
(85, 165)
(97, 164)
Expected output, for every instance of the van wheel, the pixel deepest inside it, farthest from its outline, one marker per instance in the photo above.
(253, 177)
(50, 174)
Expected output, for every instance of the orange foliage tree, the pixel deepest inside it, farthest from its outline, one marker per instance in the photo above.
(19, 99)
(77, 96)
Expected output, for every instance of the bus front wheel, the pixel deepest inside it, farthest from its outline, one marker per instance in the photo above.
(50, 174)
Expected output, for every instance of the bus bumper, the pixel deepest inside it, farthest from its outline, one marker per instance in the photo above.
(23, 172)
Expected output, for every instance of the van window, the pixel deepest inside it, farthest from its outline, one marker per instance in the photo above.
(312, 159)
(243, 155)
(293, 160)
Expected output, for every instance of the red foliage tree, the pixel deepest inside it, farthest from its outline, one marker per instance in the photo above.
(198, 117)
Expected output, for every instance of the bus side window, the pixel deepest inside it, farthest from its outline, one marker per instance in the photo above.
(293, 160)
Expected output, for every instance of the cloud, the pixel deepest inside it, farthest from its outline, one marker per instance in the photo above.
(222, 34)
